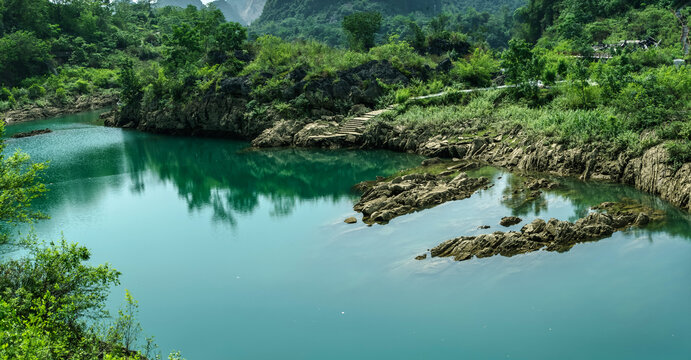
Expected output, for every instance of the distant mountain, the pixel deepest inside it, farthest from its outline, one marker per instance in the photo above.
(180, 3)
(252, 9)
(242, 11)
(229, 10)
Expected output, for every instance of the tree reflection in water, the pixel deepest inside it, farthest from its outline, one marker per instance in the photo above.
(226, 177)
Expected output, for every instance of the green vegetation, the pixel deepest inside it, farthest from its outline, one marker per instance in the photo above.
(560, 89)
(484, 21)
(52, 301)
(361, 28)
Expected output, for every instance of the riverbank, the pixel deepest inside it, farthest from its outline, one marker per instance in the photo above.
(77, 105)
(515, 149)
(497, 142)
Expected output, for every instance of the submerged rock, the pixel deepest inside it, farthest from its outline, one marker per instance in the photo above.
(510, 221)
(31, 133)
(350, 220)
(553, 235)
(383, 201)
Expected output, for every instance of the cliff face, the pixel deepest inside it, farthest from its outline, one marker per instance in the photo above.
(241, 11)
(251, 10)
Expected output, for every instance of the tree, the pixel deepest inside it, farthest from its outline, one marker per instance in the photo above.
(22, 55)
(28, 15)
(523, 68)
(183, 46)
(361, 27)
(19, 186)
(417, 37)
(230, 36)
(129, 83)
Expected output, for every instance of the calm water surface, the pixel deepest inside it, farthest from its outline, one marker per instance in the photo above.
(237, 254)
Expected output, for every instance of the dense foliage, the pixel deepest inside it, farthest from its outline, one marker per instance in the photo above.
(320, 20)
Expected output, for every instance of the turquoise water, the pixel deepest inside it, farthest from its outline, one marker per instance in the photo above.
(237, 254)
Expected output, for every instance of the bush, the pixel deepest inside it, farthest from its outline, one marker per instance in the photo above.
(36, 92)
(82, 87)
(399, 53)
(679, 153)
(478, 70)
(655, 97)
(6, 95)
(60, 97)
(402, 95)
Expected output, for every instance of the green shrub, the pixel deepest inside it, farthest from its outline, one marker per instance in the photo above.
(655, 97)
(399, 53)
(5, 105)
(60, 96)
(6, 95)
(402, 95)
(478, 70)
(82, 87)
(679, 153)
(36, 92)
(676, 130)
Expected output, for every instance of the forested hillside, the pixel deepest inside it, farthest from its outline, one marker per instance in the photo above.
(320, 20)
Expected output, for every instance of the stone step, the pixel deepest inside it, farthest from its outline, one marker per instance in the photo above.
(351, 133)
(330, 136)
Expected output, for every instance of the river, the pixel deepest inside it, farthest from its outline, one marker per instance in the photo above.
(243, 254)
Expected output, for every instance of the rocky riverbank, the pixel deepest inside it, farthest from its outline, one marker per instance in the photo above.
(80, 104)
(515, 150)
(230, 110)
(552, 235)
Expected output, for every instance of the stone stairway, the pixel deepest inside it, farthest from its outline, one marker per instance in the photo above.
(356, 125)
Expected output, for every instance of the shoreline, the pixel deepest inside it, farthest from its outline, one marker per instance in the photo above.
(80, 104)
(511, 149)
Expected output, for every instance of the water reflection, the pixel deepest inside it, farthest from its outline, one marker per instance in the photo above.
(226, 177)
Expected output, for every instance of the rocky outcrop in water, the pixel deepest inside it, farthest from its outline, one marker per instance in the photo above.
(31, 133)
(402, 195)
(552, 235)
(510, 221)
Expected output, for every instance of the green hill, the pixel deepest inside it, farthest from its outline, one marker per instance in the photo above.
(321, 19)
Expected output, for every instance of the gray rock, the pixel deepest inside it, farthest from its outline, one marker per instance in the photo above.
(510, 221)
(553, 235)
